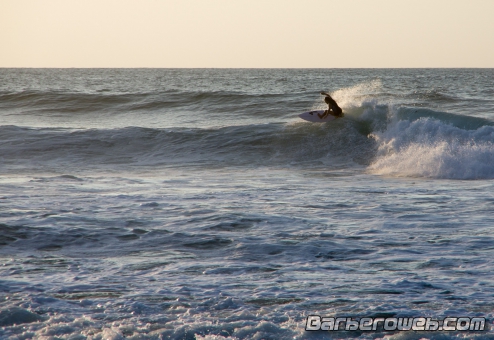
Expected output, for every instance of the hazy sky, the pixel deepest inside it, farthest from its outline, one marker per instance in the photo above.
(247, 33)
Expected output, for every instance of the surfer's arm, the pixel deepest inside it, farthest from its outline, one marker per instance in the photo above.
(328, 95)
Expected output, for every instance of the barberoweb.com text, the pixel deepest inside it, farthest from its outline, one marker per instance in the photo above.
(320, 323)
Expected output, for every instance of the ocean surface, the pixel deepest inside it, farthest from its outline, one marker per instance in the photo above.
(195, 204)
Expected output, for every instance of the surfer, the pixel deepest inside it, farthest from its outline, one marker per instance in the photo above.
(333, 108)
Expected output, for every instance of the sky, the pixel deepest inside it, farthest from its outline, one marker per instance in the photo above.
(247, 33)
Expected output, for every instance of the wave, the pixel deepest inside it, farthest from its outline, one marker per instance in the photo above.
(425, 143)
(48, 102)
(384, 140)
(58, 101)
(383, 137)
(421, 142)
(265, 144)
(433, 95)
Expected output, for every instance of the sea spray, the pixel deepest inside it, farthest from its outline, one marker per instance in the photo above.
(432, 148)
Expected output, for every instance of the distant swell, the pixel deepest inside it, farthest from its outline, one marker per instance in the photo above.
(58, 101)
(80, 102)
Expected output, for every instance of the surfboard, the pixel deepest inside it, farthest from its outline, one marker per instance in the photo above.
(312, 116)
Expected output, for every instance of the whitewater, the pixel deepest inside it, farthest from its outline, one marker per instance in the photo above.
(195, 204)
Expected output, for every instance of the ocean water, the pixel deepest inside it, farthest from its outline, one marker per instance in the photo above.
(195, 204)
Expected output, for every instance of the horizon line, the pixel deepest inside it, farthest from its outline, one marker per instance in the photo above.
(247, 68)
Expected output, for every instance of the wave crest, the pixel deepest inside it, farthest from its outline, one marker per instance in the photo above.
(428, 147)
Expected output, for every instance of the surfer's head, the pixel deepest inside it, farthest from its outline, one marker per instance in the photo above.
(327, 100)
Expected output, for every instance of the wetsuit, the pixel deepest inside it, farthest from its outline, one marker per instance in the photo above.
(337, 111)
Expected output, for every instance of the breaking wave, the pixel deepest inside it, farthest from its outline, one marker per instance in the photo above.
(423, 143)
(380, 133)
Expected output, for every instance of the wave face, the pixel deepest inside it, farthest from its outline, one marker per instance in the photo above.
(400, 126)
(253, 145)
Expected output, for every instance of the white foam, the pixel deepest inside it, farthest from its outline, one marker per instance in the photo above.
(430, 148)
(355, 96)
